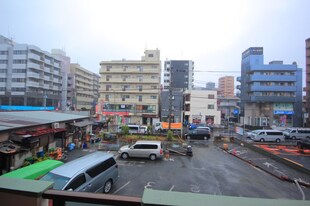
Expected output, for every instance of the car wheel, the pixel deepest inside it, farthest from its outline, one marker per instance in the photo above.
(278, 140)
(262, 140)
(294, 138)
(124, 155)
(107, 186)
(152, 157)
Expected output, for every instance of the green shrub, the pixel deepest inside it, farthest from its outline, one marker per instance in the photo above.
(169, 135)
(125, 130)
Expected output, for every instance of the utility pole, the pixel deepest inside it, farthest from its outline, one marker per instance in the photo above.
(170, 99)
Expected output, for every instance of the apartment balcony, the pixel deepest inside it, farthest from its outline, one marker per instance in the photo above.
(238, 87)
(271, 78)
(18, 75)
(33, 75)
(34, 66)
(17, 66)
(4, 66)
(34, 56)
(238, 79)
(32, 84)
(273, 88)
(272, 99)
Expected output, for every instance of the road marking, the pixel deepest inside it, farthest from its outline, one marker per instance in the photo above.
(121, 187)
(171, 188)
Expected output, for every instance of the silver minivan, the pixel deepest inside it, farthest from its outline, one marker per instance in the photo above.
(146, 149)
(297, 133)
(267, 135)
(96, 172)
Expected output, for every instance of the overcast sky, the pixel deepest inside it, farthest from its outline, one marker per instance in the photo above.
(211, 33)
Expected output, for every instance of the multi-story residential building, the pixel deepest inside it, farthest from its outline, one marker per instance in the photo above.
(85, 87)
(178, 74)
(65, 70)
(129, 89)
(201, 107)
(307, 106)
(270, 94)
(210, 85)
(29, 76)
(226, 86)
(178, 77)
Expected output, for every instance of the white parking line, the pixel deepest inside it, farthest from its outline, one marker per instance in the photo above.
(121, 187)
(171, 188)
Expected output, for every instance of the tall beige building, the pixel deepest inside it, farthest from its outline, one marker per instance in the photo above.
(86, 86)
(226, 86)
(129, 89)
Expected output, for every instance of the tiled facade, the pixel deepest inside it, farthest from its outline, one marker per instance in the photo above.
(129, 89)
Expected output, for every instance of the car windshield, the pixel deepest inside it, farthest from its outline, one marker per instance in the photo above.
(59, 181)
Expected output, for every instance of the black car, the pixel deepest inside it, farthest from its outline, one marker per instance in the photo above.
(198, 134)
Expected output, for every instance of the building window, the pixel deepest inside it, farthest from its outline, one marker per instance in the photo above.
(151, 55)
(108, 77)
(210, 106)
(124, 97)
(19, 61)
(19, 52)
(2, 79)
(107, 97)
(139, 88)
(3, 70)
(3, 61)
(3, 52)
(153, 77)
(211, 96)
(140, 98)
(108, 87)
(140, 68)
(154, 66)
(18, 80)
(153, 87)
(109, 67)
(154, 97)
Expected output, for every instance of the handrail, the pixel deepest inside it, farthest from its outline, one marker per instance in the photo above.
(60, 197)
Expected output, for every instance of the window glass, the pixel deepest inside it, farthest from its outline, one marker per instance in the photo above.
(78, 181)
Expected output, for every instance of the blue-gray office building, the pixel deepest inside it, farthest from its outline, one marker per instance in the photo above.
(271, 94)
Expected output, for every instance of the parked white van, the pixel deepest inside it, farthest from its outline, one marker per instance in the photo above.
(297, 133)
(143, 148)
(268, 135)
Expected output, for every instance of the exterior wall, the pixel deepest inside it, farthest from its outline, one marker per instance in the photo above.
(130, 88)
(65, 62)
(28, 75)
(202, 105)
(226, 86)
(85, 93)
(307, 89)
(275, 90)
(180, 73)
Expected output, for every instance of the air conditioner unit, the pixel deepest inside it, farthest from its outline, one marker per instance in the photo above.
(55, 125)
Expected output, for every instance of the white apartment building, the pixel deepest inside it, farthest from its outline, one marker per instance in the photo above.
(85, 86)
(201, 107)
(29, 76)
(129, 89)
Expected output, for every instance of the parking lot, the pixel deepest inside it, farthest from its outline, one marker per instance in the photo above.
(209, 171)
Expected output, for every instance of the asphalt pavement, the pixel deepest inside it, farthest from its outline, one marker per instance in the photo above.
(211, 170)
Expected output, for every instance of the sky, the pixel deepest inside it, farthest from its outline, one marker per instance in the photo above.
(213, 34)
